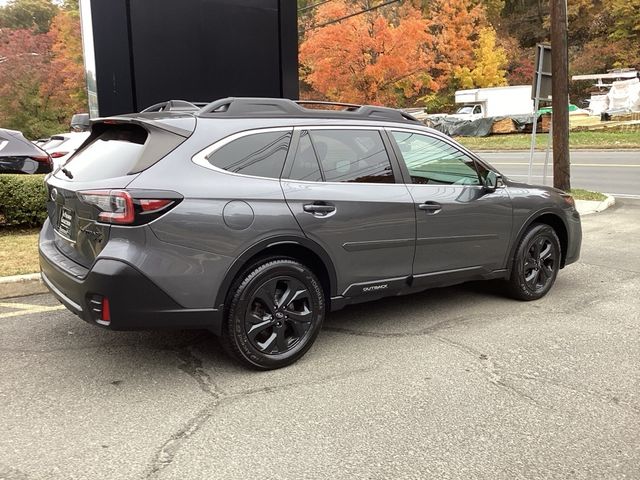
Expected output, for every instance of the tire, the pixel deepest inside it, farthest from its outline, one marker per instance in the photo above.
(535, 264)
(275, 311)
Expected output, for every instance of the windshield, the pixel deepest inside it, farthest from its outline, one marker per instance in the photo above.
(466, 109)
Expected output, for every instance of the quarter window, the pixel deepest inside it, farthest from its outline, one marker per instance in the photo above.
(433, 161)
(305, 167)
(259, 154)
(347, 155)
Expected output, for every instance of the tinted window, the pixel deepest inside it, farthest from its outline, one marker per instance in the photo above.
(115, 151)
(433, 161)
(352, 156)
(305, 165)
(258, 154)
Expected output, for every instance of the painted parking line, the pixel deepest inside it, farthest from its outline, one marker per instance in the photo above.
(27, 309)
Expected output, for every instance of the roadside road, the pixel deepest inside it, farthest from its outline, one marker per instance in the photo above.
(453, 383)
(614, 172)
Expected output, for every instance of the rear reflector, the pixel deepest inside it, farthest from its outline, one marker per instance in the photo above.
(100, 309)
(58, 154)
(106, 311)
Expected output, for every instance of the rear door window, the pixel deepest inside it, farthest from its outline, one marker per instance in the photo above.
(258, 154)
(349, 155)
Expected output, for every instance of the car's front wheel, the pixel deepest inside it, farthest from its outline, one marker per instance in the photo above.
(536, 263)
(275, 312)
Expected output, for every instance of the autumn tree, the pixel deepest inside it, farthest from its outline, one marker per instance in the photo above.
(489, 62)
(367, 58)
(454, 25)
(26, 94)
(28, 14)
(67, 60)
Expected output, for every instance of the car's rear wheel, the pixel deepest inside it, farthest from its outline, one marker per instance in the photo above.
(536, 263)
(276, 309)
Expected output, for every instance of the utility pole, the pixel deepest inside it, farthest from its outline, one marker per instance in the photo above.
(560, 95)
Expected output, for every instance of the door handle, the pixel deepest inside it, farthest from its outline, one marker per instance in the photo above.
(318, 208)
(430, 207)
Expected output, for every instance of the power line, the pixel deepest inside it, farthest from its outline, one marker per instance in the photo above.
(350, 15)
(309, 7)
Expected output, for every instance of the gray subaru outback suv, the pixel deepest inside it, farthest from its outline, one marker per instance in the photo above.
(254, 217)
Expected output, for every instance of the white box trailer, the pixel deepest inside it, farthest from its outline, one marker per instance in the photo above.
(494, 102)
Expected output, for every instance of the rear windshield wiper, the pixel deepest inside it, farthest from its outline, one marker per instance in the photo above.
(67, 173)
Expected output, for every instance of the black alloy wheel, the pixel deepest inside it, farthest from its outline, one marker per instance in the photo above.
(278, 315)
(539, 263)
(275, 313)
(536, 263)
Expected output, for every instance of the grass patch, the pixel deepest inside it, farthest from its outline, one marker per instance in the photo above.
(577, 140)
(581, 194)
(18, 251)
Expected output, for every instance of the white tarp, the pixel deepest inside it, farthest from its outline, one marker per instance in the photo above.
(598, 104)
(625, 95)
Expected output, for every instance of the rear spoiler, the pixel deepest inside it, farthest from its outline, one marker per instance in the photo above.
(182, 125)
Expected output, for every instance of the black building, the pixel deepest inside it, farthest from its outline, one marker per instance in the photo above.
(141, 52)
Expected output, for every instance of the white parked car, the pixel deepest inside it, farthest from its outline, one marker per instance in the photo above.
(61, 147)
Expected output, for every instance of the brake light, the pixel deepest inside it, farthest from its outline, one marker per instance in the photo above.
(116, 206)
(59, 154)
(122, 208)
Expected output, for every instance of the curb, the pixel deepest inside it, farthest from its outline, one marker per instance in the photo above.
(21, 285)
(587, 207)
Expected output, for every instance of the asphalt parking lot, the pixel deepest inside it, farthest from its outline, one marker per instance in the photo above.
(451, 383)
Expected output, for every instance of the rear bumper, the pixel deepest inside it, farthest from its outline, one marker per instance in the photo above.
(574, 238)
(136, 303)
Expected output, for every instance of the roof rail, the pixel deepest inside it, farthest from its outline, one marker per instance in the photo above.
(277, 107)
(348, 106)
(175, 106)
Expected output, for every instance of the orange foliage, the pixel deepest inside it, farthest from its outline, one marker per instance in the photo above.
(67, 60)
(367, 58)
(454, 25)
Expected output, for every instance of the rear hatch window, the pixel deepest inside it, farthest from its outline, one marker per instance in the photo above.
(113, 151)
(53, 142)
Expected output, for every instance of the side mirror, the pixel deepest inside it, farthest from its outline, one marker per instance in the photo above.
(491, 181)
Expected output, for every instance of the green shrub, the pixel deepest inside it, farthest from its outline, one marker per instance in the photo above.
(22, 200)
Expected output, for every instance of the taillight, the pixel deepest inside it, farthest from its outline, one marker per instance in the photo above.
(569, 200)
(124, 208)
(59, 154)
(46, 159)
(154, 204)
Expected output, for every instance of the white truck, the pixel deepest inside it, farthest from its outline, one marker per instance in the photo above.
(494, 102)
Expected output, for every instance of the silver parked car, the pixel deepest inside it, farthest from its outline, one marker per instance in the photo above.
(254, 217)
(60, 147)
